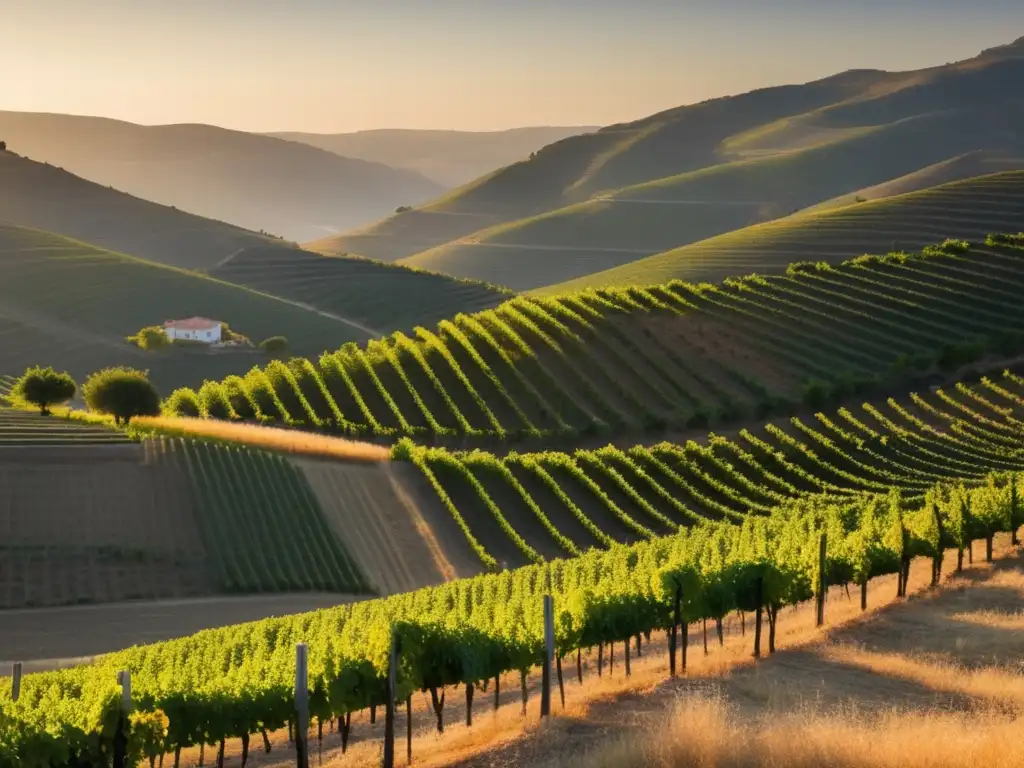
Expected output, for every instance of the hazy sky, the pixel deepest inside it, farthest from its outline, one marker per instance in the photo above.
(343, 65)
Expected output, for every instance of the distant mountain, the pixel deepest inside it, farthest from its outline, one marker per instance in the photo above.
(596, 201)
(451, 158)
(259, 182)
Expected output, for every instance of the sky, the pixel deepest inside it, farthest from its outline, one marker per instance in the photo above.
(344, 65)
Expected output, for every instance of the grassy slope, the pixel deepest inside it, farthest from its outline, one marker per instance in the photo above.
(724, 164)
(68, 304)
(259, 182)
(450, 158)
(968, 208)
(384, 297)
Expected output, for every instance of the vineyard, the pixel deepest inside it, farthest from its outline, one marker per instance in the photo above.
(655, 358)
(383, 296)
(970, 208)
(73, 304)
(239, 681)
(164, 518)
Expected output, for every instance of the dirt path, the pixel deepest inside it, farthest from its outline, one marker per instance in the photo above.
(50, 637)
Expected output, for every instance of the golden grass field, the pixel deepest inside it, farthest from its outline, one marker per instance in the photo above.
(934, 680)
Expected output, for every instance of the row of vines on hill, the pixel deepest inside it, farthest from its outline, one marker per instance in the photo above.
(238, 681)
(521, 507)
(651, 358)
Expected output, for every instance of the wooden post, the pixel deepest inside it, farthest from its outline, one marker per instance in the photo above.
(16, 681)
(549, 653)
(389, 705)
(301, 705)
(408, 729)
(124, 679)
(822, 583)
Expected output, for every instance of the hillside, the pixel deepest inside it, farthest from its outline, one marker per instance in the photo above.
(664, 357)
(450, 158)
(165, 518)
(920, 500)
(963, 209)
(258, 182)
(382, 296)
(41, 196)
(592, 202)
(70, 305)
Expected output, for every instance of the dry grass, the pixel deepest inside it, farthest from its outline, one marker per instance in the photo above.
(267, 438)
(708, 731)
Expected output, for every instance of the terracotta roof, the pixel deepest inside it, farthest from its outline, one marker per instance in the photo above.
(191, 324)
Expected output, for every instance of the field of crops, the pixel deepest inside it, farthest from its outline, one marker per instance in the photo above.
(854, 496)
(659, 357)
(525, 507)
(71, 305)
(384, 297)
(87, 516)
(969, 208)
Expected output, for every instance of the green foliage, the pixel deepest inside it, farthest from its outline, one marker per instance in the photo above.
(274, 345)
(122, 393)
(152, 337)
(183, 402)
(43, 388)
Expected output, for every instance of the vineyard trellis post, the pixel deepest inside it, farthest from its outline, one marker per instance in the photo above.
(301, 705)
(549, 652)
(389, 707)
(822, 582)
(120, 757)
(16, 681)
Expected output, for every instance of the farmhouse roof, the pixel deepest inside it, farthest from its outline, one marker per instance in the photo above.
(191, 324)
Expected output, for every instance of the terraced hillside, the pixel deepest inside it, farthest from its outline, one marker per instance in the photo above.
(968, 209)
(526, 507)
(384, 297)
(593, 202)
(87, 516)
(70, 305)
(663, 356)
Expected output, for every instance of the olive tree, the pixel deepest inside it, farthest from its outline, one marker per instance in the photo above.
(44, 388)
(124, 393)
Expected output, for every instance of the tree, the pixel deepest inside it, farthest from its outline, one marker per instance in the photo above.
(275, 345)
(44, 387)
(121, 392)
(152, 337)
(3, 146)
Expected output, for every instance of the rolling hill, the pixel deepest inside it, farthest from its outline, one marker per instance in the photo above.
(70, 305)
(591, 202)
(671, 356)
(450, 158)
(258, 182)
(384, 297)
(969, 208)
(379, 295)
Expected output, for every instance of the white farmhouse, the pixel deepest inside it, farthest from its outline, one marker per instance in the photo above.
(193, 329)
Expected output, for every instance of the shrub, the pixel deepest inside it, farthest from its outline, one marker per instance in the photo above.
(403, 209)
(275, 345)
(151, 337)
(816, 393)
(183, 402)
(43, 388)
(124, 393)
(3, 146)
